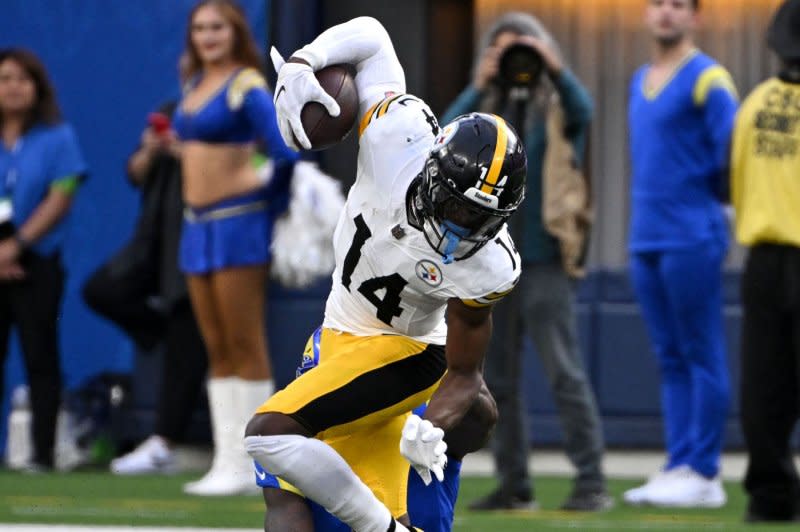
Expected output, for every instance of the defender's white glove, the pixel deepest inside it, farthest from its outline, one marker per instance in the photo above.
(423, 445)
(297, 86)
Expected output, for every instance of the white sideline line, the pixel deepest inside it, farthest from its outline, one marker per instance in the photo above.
(79, 528)
(621, 525)
(617, 464)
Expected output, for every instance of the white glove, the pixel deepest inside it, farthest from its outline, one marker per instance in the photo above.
(423, 445)
(297, 86)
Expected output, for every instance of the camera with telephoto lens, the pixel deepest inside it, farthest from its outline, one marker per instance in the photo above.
(520, 66)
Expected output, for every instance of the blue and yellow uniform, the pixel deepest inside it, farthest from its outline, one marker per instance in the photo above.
(236, 231)
(679, 138)
(430, 508)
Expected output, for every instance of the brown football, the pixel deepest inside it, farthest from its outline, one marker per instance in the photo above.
(322, 129)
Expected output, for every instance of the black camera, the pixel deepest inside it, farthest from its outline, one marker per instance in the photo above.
(520, 66)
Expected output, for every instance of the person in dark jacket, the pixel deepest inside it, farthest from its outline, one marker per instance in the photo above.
(142, 290)
(542, 306)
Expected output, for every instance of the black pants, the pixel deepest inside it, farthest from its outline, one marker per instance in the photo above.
(32, 304)
(770, 386)
(183, 373)
(542, 307)
(120, 291)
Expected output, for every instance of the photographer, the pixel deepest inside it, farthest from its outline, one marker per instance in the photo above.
(521, 76)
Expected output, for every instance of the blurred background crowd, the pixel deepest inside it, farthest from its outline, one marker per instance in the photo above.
(627, 327)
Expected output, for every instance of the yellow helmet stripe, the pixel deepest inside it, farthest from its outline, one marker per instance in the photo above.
(499, 156)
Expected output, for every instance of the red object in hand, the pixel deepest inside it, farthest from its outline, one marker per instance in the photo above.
(159, 122)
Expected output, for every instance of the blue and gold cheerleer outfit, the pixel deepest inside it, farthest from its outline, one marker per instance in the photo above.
(430, 507)
(236, 231)
(679, 140)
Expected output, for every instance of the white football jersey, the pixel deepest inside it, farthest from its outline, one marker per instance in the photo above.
(388, 280)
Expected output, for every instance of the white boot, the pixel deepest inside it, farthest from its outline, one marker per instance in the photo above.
(250, 395)
(232, 472)
(222, 411)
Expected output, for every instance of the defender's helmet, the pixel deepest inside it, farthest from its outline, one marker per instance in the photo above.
(473, 180)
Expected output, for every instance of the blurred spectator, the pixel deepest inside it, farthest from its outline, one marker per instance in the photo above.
(228, 222)
(765, 191)
(142, 290)
(41, 167)
(681, 112)
(521, 76)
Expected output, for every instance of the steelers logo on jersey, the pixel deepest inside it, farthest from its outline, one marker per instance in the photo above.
(429, 272)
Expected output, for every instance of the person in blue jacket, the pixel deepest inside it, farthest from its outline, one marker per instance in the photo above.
(681, 112)
(542, 305)
(41, 166)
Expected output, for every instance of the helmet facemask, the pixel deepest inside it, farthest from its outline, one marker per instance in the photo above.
(471, 183)
(454, 225)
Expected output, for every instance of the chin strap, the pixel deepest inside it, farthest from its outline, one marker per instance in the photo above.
(453, 234)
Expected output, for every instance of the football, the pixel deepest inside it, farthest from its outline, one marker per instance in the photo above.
(322, 129)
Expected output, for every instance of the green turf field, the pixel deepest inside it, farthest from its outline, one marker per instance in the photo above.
(100, 498)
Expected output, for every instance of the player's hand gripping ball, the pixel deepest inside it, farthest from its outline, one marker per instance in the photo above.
(315, 109)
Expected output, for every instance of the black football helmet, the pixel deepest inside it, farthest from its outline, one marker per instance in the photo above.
(473, 180)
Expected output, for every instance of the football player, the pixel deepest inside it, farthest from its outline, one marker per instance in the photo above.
(423, 232)
(430, 507)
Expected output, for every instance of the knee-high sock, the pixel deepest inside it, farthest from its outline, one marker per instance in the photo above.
(249, 395)
(323, 476)
(221, 406)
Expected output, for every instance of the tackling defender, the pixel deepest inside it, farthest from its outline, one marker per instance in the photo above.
(423, 232)
(430, 507)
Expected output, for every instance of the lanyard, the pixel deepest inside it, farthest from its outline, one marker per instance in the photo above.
(10, 180)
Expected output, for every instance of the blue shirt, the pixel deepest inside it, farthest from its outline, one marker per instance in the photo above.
(537, 244)
(679, 140)
(43, 155)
